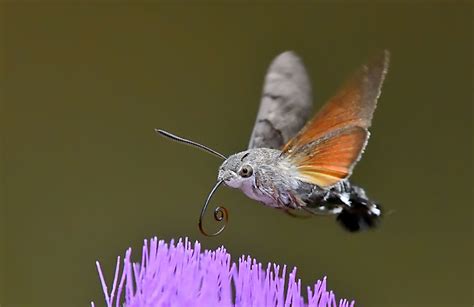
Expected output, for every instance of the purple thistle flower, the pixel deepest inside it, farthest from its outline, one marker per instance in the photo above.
(181, 275)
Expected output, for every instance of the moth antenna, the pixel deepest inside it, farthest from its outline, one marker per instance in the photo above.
(220, 213)
(189, 142)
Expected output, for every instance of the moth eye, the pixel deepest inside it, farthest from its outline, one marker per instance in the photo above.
(246, 171)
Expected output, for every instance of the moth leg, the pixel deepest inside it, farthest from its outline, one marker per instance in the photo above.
(294, 215)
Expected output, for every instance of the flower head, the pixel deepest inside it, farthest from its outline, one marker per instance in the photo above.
(180, 274)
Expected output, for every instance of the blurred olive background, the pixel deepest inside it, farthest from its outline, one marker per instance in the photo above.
(84, 176)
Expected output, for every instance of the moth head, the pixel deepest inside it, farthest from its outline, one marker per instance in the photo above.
(237, 170)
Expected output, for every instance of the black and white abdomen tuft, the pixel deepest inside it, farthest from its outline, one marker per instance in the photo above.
(361, 215)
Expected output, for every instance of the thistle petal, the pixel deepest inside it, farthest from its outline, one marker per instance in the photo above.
(180, 274)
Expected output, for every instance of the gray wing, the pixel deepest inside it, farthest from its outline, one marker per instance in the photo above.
(285, 105)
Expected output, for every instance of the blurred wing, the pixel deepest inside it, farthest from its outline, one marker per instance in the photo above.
(285, 105)
(327, 148)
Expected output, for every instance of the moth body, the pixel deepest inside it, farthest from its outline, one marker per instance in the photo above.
(266, 176)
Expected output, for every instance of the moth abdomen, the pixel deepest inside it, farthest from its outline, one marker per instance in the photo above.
(359, 216)
(354, 210)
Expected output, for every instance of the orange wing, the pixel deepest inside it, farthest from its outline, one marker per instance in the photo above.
(327, 148)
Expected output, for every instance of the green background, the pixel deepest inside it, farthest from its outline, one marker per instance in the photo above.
(83, 175)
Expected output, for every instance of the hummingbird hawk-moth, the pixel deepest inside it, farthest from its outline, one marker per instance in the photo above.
(289, 165)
